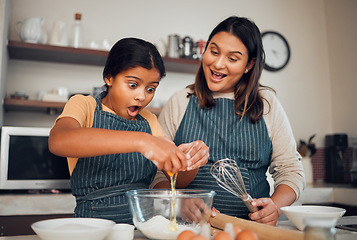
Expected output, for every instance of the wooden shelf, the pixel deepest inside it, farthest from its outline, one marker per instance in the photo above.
(50, 53)
(181, 65)
(11, 104)
(44, 52)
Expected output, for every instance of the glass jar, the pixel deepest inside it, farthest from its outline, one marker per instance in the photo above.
(320, 229)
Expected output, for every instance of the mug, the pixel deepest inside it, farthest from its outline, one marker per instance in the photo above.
(59, 34)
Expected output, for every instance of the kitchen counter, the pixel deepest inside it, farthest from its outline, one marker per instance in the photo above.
(36, 204)
(49, 205)
(328, 193)
(137, 236)
(64, 203)
(341, 234)
(19, 211)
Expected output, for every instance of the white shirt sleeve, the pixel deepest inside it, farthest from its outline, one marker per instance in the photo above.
(286, 166)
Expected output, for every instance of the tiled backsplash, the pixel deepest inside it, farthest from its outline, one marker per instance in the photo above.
(318, 164)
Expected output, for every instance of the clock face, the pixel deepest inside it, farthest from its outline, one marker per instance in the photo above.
(277, 51)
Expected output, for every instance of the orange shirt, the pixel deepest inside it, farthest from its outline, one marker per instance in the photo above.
(82, 109)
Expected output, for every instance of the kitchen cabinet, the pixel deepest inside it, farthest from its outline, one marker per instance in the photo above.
(50, 53)
(21, 225)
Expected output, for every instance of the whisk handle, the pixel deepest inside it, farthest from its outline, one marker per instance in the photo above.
(247, 199)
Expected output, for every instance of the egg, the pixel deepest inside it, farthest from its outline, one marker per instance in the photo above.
(222, 236)
(236, 230)
(247, 235)
(198, 237)
(186, 235)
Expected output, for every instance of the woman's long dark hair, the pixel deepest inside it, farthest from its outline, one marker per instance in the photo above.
(132, 52)
(248, 100)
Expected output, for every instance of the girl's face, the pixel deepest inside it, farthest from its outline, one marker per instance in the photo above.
(130, 91)
(224, 62)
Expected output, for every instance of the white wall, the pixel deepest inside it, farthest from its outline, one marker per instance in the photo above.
(342, 39)
(4, 13)
(303, 87)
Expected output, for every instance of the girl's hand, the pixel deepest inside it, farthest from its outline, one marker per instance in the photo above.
(197, 154)
(164, 154)
(269, 212)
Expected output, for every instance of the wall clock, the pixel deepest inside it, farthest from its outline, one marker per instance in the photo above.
(277, 51)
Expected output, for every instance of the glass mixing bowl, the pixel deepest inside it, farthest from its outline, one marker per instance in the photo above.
(154, 211)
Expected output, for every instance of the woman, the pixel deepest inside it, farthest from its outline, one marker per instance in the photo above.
(237, 118)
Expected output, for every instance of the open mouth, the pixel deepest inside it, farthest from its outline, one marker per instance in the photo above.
(216, 76)
(133, 110)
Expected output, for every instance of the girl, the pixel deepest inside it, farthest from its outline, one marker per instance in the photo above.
(237, 118)
(108, 139)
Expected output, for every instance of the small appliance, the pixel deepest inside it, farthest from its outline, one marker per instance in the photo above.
(335, 146)
(26, 162)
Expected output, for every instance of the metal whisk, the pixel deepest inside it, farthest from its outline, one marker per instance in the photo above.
(228, 176)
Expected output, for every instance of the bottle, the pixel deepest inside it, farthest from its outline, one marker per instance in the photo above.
(77, 31)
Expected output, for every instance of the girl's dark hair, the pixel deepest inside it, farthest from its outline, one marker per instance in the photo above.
(248, 100)
(132, 52)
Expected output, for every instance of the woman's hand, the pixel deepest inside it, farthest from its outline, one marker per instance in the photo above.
(164, 154)
(196, 152)
(268, 213)
(194, 210)
(214, 212)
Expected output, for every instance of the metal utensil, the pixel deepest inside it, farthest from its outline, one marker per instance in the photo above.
(173, 46)
(228, 176)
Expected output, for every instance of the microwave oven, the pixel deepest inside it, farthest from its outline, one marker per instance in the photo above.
(26, 162)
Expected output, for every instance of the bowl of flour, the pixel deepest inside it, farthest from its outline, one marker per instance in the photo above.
(164, 214)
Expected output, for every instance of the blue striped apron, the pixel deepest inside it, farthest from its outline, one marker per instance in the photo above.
(228, 137)
(99, 183)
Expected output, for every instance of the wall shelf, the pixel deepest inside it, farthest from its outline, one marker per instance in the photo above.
(51, 53)
(57, 54)
(11, 104)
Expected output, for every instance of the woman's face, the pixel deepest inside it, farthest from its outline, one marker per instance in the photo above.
(224, 62)
(130, 91)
